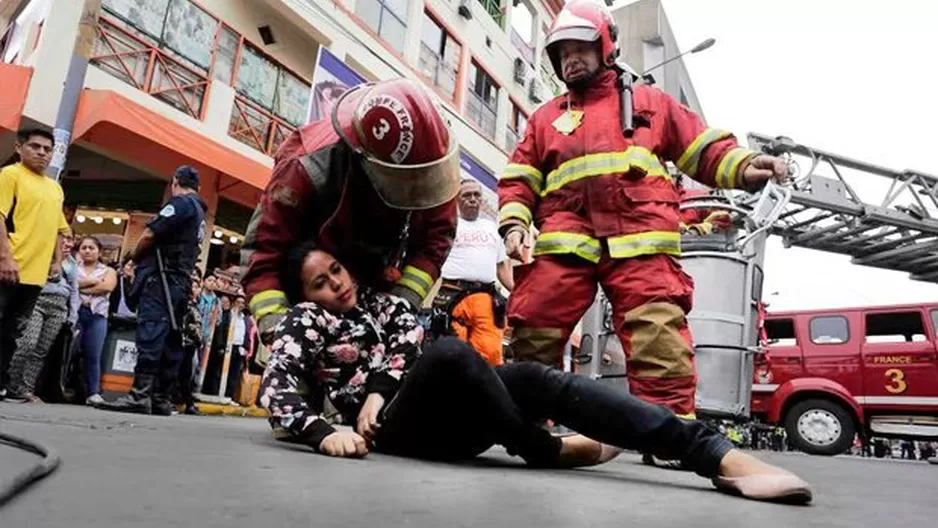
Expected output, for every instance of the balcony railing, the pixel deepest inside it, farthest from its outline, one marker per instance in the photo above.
(256, 127)
(494, 8)
(149, 69)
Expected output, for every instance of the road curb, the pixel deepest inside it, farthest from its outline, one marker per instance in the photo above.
(214, 409)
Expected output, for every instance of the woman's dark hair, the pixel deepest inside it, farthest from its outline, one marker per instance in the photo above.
(292, 275)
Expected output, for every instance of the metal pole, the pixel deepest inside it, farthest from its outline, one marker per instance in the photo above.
(74, 82)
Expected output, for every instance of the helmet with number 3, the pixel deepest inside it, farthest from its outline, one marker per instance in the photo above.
(405, 144)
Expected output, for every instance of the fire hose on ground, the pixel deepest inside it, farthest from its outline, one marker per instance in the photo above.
(49, 463)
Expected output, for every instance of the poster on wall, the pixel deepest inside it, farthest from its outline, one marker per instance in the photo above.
(470, 168)
(331, 79)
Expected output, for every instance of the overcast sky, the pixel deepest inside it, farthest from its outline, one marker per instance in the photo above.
(857, 78)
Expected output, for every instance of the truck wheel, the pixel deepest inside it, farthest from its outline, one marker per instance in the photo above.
(820, 427)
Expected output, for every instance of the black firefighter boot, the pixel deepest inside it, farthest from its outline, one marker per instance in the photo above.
(139, 400)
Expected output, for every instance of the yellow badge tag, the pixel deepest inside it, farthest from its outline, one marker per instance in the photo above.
(568, 121)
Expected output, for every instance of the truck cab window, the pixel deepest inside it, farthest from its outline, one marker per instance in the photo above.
(829, 330)
(781, 332)
(897, 327)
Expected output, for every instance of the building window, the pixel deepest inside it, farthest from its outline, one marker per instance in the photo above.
(482, 103)
(522, 31)
(516, 126)
(439, 55)
(494, 9)
(388, 19)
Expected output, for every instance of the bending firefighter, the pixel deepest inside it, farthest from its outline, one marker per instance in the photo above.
(608, 211)
(374, 184)
(468, 293)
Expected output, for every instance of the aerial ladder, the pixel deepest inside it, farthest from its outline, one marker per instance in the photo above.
(880, 217)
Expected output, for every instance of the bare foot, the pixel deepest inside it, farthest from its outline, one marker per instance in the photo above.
(578, 451)
(746, 475)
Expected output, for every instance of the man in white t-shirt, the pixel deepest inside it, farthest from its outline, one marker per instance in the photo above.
(468, 290)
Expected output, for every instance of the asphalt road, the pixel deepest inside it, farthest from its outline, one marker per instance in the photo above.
(138, 472)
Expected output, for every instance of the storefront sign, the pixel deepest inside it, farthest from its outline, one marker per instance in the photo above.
(331, 79)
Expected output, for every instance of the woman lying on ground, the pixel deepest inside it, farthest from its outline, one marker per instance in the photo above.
(362, 350)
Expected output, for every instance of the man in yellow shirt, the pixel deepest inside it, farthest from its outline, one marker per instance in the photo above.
(31, 219)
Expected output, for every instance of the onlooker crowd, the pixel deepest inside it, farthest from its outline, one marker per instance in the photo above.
(58, 290)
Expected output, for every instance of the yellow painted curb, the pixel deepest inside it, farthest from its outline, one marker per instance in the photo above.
(214, 409)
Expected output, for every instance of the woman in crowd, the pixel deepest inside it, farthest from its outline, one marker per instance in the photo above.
(57, 305)
(96, 281)
(117, 302)
(362, 350)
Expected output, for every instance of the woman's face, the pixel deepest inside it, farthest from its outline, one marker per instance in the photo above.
(67, 244)
(196, 289)
(328, 283)
(89, 251)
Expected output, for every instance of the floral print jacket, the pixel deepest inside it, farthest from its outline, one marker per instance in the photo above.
(345, 357)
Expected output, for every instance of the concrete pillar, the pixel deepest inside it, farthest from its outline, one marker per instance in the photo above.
(503, 117)
(51, 62)
(414, 31)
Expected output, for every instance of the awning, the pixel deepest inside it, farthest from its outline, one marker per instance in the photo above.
(15, 82)
(114, 122)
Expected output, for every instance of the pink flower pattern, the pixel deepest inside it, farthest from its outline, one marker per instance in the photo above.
(315, 352)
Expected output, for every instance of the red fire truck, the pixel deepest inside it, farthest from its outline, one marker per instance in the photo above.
(830, 374)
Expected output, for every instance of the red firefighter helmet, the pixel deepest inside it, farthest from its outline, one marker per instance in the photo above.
(406, 146)
(586, 21)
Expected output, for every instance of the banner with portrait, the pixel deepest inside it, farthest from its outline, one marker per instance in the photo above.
(331, 79)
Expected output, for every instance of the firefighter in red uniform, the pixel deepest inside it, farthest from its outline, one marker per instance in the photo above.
(608, 211)
(701, 221)
(374, 184)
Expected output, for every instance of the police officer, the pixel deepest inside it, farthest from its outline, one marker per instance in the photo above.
(166, 254)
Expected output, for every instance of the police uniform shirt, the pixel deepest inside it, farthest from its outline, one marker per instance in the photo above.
(175, 224)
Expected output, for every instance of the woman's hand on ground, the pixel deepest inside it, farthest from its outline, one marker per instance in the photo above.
(344, 444)
(368, 417)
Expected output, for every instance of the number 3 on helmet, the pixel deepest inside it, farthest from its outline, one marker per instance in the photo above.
(406, 147)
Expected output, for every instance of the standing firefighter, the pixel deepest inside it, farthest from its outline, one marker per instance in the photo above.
(374, 185)
(607, 210)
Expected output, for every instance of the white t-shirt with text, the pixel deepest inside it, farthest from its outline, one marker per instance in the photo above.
(477, 250)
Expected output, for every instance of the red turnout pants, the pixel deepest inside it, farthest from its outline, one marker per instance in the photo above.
(650, 297)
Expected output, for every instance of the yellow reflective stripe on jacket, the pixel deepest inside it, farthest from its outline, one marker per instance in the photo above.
(726, 170)
(529, 174)
(416, 279)
(647, 243)
(515, 210)
(562, 243)
(691, 157)
(604, 163)
(268, 302)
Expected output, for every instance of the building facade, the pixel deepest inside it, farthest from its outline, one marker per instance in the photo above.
(647, 40)
(218, 84)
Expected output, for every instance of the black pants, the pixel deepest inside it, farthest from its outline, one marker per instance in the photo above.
(187, 381)
(453, 406)
(16, 307)
(159, 347)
